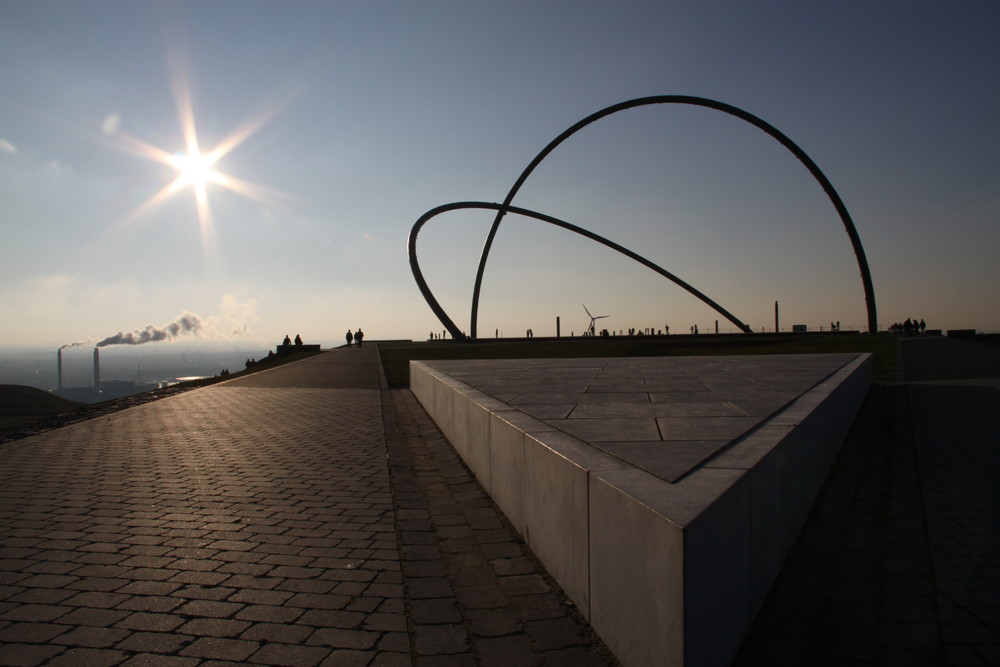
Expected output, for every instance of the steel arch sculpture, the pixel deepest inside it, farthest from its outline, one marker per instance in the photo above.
(505, 207)
(447, 321)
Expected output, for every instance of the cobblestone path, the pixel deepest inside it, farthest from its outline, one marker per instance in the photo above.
(475, 593)
(254, 521)
(899, 562)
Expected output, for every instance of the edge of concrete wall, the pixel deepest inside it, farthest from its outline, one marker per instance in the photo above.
(665, 573)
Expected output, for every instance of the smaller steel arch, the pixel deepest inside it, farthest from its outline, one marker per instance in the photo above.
(457, 334)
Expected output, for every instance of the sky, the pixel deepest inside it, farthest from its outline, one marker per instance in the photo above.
(336, 124)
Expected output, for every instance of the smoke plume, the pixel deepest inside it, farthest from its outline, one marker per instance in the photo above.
(234, 321)
(79, 343)
(187, 323)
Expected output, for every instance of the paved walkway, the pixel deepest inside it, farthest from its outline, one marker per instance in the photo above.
(298, 516)
(308, 516)
(899, 563)
(954, 392)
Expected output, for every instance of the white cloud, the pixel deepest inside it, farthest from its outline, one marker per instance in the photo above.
(236, 316)
(7, 147)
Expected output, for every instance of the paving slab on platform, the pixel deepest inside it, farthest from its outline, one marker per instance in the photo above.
(664, 415)
(662, 493)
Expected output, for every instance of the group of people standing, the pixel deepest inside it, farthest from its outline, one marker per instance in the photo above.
(356, 337)
(909, 327)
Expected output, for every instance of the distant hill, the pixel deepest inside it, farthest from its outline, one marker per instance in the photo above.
(19, 403)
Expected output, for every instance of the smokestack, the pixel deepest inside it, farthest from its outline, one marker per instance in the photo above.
(97, 368)
(59, 368)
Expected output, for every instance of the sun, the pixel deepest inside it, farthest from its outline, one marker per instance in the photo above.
(197, 170)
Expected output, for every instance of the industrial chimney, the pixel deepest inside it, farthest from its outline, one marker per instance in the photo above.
(97, 368)
(59, 368)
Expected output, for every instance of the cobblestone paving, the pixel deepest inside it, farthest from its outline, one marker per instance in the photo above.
(962, 495)
(225, 523)
(306, 517)
(475, 592)
(899, 563)
(856, 588)
(956, 420)
(255, 522)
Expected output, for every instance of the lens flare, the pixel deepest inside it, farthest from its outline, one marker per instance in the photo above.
(196, 170)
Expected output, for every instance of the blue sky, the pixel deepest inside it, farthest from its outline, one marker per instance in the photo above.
(351, 119)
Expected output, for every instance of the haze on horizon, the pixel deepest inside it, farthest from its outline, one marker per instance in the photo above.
(259, 165)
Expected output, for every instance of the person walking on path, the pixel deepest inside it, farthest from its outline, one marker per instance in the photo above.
(349, 337)
(359, 336)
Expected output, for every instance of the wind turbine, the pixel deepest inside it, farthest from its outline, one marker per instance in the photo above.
(593, 329)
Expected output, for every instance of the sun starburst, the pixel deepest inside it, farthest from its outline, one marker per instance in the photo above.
(196, 170)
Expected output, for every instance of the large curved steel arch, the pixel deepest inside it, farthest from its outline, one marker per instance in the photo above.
(447, 321)
(773, 132)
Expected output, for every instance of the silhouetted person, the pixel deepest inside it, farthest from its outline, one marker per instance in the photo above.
(359, 336)
(287, 341)
(298, 339)
(349, 337)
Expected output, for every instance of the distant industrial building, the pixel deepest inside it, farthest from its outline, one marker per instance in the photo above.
(100, 390)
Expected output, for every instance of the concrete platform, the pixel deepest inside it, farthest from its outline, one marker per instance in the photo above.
(663, 494)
